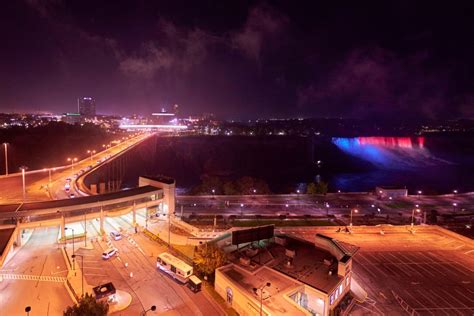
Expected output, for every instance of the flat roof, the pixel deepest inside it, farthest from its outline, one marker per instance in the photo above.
(273, 296)
(311, 265)
(32, 206)
(160, 178)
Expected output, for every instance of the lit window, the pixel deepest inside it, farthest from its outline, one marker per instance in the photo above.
(331, 299)
(340, 288)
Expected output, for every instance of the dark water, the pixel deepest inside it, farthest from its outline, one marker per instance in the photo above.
(432, 164)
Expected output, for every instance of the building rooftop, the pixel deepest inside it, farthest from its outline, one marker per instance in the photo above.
(160, 178)
(310, 265)
(273, 296)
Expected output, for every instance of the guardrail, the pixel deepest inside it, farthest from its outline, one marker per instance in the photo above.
(79, 182)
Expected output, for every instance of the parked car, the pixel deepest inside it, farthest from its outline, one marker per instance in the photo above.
(109, 253)
(115, 235)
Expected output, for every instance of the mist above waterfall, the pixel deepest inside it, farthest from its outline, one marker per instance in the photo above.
(395, 153)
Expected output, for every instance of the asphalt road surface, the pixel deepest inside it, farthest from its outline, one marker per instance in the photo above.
(35, 277)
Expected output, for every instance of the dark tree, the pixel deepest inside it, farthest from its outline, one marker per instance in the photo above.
(87, 306)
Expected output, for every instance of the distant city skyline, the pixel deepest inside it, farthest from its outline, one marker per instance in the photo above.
(240, 60)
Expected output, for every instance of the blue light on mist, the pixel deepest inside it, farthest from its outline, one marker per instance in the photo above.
(388, 152)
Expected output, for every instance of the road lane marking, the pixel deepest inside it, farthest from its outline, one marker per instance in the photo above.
(27, 277)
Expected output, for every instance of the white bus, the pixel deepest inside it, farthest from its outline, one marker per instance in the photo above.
(175, 267)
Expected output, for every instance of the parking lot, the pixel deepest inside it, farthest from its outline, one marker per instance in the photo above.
(133, 269)
(426, 273)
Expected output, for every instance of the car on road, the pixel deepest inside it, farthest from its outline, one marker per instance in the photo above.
(115, 235)
(109, 253)
(72, 195)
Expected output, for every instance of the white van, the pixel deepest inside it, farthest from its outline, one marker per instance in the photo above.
(109, 253)
(115, 235)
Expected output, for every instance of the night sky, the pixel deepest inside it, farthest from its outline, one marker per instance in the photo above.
(241, 59)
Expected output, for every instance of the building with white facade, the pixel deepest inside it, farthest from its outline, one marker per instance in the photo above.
(287, 276)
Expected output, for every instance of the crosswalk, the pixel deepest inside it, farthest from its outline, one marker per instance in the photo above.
(28, 277)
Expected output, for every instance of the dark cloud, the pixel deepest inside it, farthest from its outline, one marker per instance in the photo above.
(239, 59)
(176, 48)
(378, 82)
(262, 25)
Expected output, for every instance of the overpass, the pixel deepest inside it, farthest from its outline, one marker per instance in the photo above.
(48, 183)
(152, 193)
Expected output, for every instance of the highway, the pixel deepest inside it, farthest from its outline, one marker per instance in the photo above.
(38, 181)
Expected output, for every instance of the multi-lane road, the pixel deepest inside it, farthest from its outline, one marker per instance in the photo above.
(47, 184)
(35, 277)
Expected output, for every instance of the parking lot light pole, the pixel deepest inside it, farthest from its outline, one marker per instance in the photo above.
(413, 215)
(355, 211)
(82, 271)
(23, 169)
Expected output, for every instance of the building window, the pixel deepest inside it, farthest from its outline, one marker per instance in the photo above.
(229, 295)
(331, 299)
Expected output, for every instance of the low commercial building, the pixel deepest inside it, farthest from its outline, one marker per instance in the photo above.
(390, 192)
(287, 276)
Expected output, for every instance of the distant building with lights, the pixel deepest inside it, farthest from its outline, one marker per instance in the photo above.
(286, 275)
(390, 192)
(71, 118)
(86, 106)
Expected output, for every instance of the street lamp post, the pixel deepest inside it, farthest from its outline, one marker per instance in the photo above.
(152, 308)
(85, 229)
(413, 215)
(72, 160)
(73, 261)
(82, 271)
(355, 211)
(91, 152)
(23, 169)
(268, 284)
(27, 310)
(6, 158)
(454, 207)
(146, 216)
